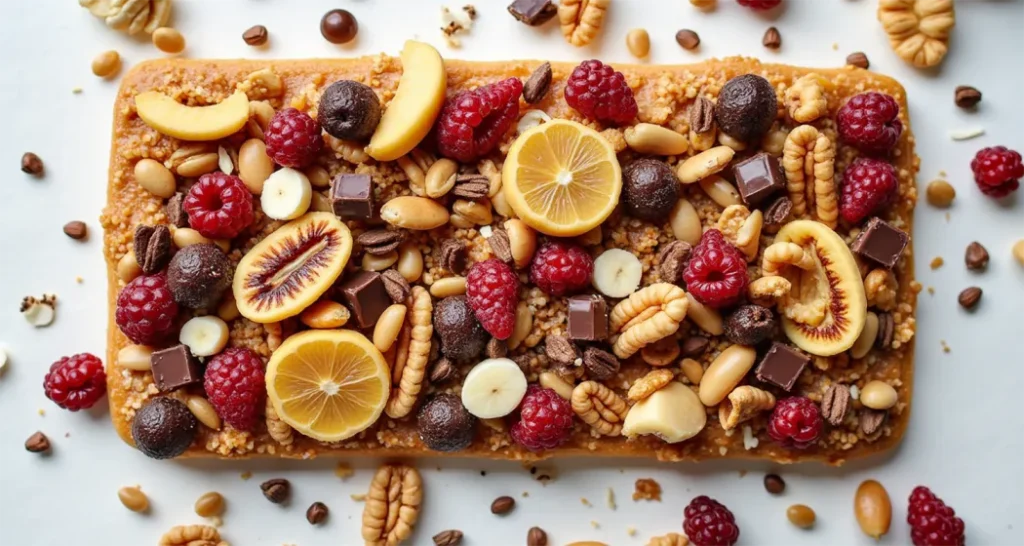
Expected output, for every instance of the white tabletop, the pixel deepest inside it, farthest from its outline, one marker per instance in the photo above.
(966, 435)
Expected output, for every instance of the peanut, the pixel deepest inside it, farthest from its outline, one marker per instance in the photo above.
(878, 395)
(866, 340)
(448, 286)
(873, 509)
(209, 505)
(415, 213)
(440, 178)
(478, 212)
(155, 178)
(388, 327)
(318, 176)
(168, 40)
(198, 165)
(692, 370)
(706, 318)
(133, 499)
(685, 222)
(940, 193)
(720, 191)
(379, 263)
(325, 314)
(203, 410)
(704, 164)
(254, 165)
(725, 372)
(128, 267)
(647, 138)
(410, 261)
(524, 323)
(135, 357)
(801, 515)
(551, 380)
(1018, 251)
(522, 239)
(106, 64)
(638, 42)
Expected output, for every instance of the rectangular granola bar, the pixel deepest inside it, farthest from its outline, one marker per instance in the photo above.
(664, 95)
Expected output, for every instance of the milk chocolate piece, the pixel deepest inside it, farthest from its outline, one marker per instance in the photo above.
(352, 197)
(781, 366)
(880, 242)
(588, 318)
(533, 12)
(175, 367)
(366, 297)
(758, 177)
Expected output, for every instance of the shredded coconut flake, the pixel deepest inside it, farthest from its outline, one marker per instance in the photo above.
(966, 134)
(854, 392)
(749, 440)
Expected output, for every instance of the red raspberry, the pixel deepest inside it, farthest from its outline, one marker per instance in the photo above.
(235, 384)
(472, 123)
(76, 382)
(717, 272)
(708, 522)
(146, 310)
(293, 138)
(869, 185)
(997, 171)
(545, 420)
(932, 523)
(492, 289)
(219, 206)
(870, 123)
(795, 422)
(560, 268)
(597, 91)
(759, 4)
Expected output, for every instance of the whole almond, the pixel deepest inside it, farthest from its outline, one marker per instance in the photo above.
(536, 537)
(503, 505)
(873, 509)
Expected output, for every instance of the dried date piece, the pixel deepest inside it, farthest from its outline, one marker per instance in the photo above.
(967, 97)
(560, 350)
(672, 259)
(392, 505)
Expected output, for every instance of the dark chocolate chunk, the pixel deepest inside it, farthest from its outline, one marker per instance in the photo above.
(880, 242)
(588, 318)
(366, 297)
(175, 367)
(781, 366)
(352, 197)
(758, 177)
(533, 12)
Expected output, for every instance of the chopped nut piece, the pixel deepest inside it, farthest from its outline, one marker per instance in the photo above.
(503, 505)
(772, 39)
(687, 39)
(858, 59)
(647, 489)
(37, 443)
(967, 97)
(31, 164)
(255, 35)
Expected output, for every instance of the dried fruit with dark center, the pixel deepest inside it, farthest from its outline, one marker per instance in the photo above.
(746, 107)
(750, 325)
(292, 267)
(164, 428)
(650, 189)
(462, 336)
(349, 110)
(198, 275)
(444, 424)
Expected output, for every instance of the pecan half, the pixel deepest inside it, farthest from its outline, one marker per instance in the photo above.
(392, 505)
(379, 242)
(176, 215)
(453, 255)
(192, 535)
(808, 159)
(581, 19)
(871, 421)
(496, 348)
(411, 355)
(886, 331)
(152, 247)
(599, 407)
(442, 371)
(471, 186)
(835, 403)
(702, 115)
(649, 314)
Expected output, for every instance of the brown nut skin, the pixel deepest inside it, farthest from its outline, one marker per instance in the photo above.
(198, 275)
(650, 189)
(462, 335)
(164, 428)
(746, 107)
(445, 425)
(349, 110)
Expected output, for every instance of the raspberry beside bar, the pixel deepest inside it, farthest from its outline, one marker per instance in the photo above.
(664, 95)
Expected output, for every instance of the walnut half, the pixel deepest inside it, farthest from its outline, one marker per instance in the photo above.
(918, 29)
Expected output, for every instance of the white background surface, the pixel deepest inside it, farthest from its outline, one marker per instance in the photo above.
(966, 435)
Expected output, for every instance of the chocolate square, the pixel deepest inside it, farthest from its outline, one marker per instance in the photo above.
(366, 297)
(880, 242)
(781, 366)
(175, 367)
(758, 177)
(588, 318)
(352, 196)
(533, 12)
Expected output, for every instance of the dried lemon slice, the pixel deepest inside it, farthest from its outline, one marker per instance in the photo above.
(328, 384)
(562, 178)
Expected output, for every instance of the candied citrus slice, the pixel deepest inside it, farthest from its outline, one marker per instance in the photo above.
(328, 384)
(562, 178)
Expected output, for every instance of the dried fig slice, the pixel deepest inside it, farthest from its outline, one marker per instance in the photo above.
(292, 267)
(827, 307)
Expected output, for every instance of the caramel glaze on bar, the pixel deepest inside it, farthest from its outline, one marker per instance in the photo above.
(664, 94)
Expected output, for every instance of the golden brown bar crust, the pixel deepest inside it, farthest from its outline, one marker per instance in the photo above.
(663, 94)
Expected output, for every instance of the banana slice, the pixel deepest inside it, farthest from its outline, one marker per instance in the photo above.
(834, 285)
(617, 273)
(286, 194)
(673, 413)
(204, 336)
(493, 388)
